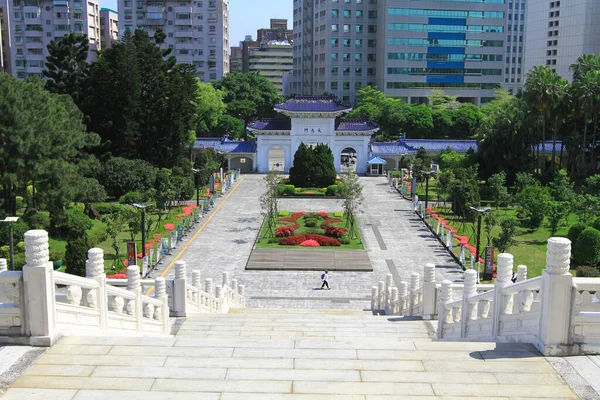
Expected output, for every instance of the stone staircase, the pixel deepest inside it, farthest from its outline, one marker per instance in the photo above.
(292, 354)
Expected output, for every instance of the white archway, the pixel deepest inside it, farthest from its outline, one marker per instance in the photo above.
(276, 159)
(348, 160)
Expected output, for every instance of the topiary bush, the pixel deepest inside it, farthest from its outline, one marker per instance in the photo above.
(289, 190)
(575, 231)
(587, 248)
(310, 223)
(37, 219)
(332, 190)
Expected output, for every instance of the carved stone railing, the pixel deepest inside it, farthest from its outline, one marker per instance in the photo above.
(586, 314)
(214, 300)
(12, 321)
(557, 313)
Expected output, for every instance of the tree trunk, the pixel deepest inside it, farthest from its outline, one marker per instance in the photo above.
(560, 159)
(554, 141)
(584, 143)
(594, 162)
(543, 144)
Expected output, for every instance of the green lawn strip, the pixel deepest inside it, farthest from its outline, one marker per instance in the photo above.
(531, 247)
(355, 244)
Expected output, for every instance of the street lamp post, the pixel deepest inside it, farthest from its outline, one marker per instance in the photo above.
(427, 174)
(197, 172)
(143, 208)
(10, 221)
(480, 212)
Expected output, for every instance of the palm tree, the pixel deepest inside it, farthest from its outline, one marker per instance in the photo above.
(587, 88)
(543, 91)
(585, 63)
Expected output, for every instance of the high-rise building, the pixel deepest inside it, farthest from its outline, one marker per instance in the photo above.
(272, 60)
(406, 48)
(2, 40)
(235, 59)
(109, 27)
(197, 31)
(514, 57)
(278, 30)
(559, 31)
(32, 24)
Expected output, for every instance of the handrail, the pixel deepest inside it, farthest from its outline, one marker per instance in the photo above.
(151, 300)
(123, 282)
(454, 303)
(489, 295)
(67, 279)
(10, 276)
(530, 284)
(589, 284)
(116, 291)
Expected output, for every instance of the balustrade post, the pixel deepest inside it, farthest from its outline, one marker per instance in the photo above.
(219, 295)
(39, 292)
(242, 293)
(394, 301)
(374, 298)
(134, 307)
(234, 285)
(3, 268)
(402, 297)
(208, 287)
(503, 279)
(179, 290)
(445, 296)
(160, 293)
(468, 311)
(381, 289)
(556, 301)
(521, 273)
(94, 269)
(388, 294)
(429, 292)
(415, 281)
(226, 279)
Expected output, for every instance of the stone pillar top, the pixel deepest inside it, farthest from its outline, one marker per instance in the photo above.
(180, 270)
(521, 273)
(94, 266)
(505, 268)
(36, 248)
(429, 273)
(415, 280)
(470, 277)
(558, 256)
(160, 287)
(133, 278)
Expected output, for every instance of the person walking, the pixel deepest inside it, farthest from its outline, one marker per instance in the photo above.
(325, 283)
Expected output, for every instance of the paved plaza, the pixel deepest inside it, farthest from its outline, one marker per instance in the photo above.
(397, 242)
(288, 355)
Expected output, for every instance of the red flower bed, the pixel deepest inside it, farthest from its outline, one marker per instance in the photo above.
(286, 230)
(329, 222)
(310, 243)
(298, 239)
(323, 214)
(117, 276)
(187, 211)
(169, 227)
(335, 232)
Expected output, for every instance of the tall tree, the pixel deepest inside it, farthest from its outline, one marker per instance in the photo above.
(248, 95)
(67, 69)
(543, 90)
(209, 107)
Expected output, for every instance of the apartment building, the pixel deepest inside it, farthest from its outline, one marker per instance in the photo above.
(197, 30)
(273, 60)
(32, 24)
(2, 39)
(235, 59)
(514, 58)
(559, 31)
(109, 27)
(405, 48)
(277, 30)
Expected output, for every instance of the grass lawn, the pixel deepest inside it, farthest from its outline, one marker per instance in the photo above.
(355, 244)
(531, 247)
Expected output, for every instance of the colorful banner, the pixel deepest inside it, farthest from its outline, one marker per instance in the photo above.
(131, 253)
(144, 266)
(165, 246)
(413, 188)
(151, 259)
(173, 241)
(179, 229)
(211, 184)
(449, 239)
(488, 263)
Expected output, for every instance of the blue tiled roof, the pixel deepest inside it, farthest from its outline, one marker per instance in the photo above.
(313, 104)
(351, 124)
(279, 124)
(225, 145)
(411, 146)
(376, 161)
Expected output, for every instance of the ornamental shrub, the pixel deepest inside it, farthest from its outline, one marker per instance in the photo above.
(323, 214)
(587, 248)
(588, 272)
(335, 232)
(332, 190)
(345, 239)
(313, 167)
(310, 223)
(286, 230)
(575, 231)
(37, 219)
(289, 190)
(596, 224)
(310, 243)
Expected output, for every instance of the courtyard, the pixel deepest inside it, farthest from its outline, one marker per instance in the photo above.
(394, 239)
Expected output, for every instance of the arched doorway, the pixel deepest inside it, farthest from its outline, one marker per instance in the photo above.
(348, 160)
(276, 159)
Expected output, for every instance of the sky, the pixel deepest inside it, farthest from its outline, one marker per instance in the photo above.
(245, 16)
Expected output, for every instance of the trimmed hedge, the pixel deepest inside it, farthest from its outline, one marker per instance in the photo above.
(332, 190)
(575, 231)
(587, 248)
(296, 240)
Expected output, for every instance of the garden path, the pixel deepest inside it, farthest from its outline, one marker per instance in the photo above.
(396, 241)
